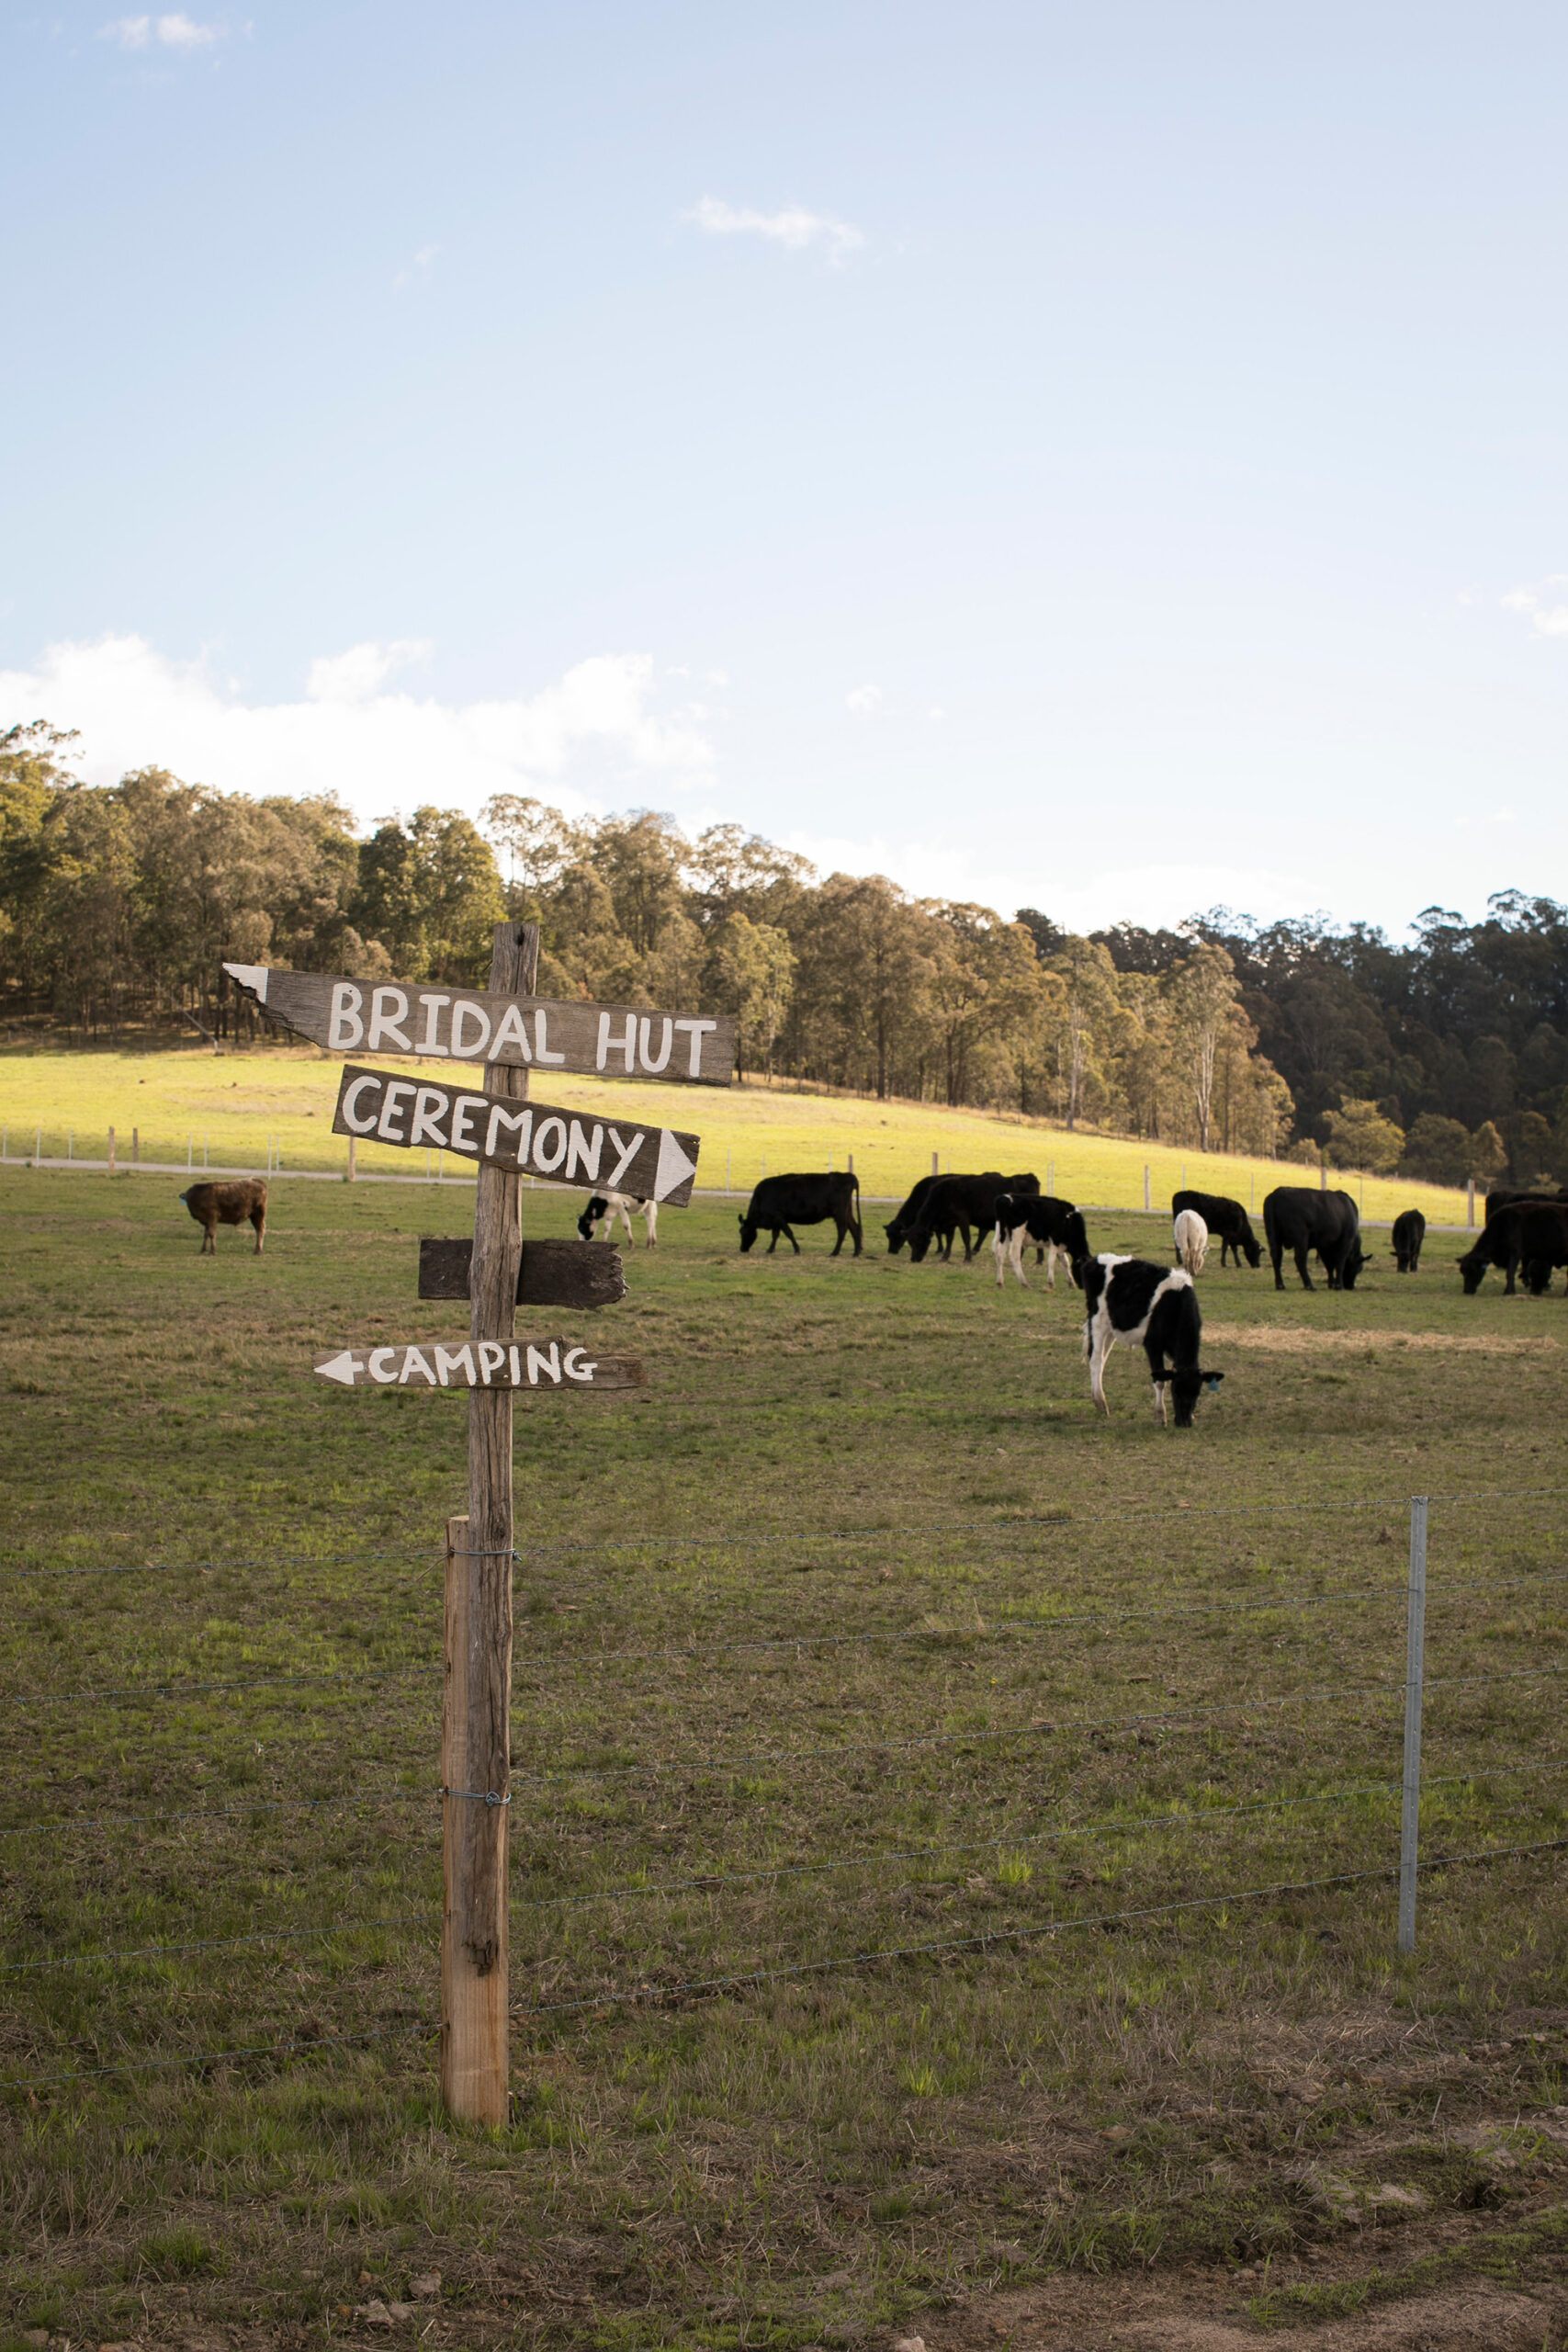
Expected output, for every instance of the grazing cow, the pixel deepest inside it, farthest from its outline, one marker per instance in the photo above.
(1192, 1237)
(1052, 1223)
(780, 1202)
(899, 1229)
(954, 1204)
(1128, 1298)
(1409, 1232)
(216, 1204)
(1535, 1237)
(1298, 1220)
(608, 1206)
(1226, 1220)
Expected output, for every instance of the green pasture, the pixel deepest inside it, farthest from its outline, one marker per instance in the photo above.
(950, 1833)
(269, 1105)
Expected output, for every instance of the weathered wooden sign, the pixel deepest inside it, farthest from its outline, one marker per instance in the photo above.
(475, 1025)
(553, 1274)
(523, 1138)
(551, 1364)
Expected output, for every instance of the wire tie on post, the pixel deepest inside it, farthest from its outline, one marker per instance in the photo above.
(486, 1796)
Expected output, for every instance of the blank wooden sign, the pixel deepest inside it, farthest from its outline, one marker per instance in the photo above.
(553, 1274)
(525, 1138)
(559, 1367)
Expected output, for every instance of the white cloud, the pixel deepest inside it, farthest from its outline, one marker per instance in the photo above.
(417, 265)
(1547, 619)
(793, 226)
(180, 33)
(596, 736)
(862, 699)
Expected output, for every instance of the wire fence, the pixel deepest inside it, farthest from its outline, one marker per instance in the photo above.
(640, 1719)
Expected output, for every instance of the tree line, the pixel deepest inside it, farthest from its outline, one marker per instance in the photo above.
(1446, 1059)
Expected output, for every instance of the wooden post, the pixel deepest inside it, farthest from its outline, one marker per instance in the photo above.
(135, 1146)
(353, 1159)
(1146, 1202)
(933, 1164)
(477, 1719)
(111, 1151)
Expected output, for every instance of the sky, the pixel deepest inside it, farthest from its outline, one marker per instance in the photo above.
(1112, 460)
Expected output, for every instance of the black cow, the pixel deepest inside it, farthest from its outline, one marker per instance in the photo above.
(1535, 1237)
(780, 1202)
(898, 1231)
(1495, 1202)
(237, 1203)
(954, 1204)
(1128, 1298)
(1409, 1232)
(1227, 1221)
(1299, 1220)
(1052, 1223)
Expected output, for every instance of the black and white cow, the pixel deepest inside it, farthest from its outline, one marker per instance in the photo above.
(956, 1204)
(1227, 1221)
(607, 1206)
(1154, 1307)
(780, 1202)
(1409, 1232)
(1299, 1220)
(1052, 1223)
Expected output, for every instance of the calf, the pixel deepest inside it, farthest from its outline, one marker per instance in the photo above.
(607, 1206)
(954, 1204)
(1051, 1223)
(780, 1202)
(1225, 1219)
(1534, 1238)
(1192, 1237)
(216, 1204)
(1299, 1220)
(1409, 1232)
(1129, 1298)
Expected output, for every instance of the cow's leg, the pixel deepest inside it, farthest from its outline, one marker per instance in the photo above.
(1307, 1282)
(774, 1242)
(258, 1218)
(1000, 1251)
(210, 1240)
(859, 1236)
(840, 1243)
(789, 1237)
(650, 1218)
(1278, 1254)
(1017, 1245)
(1099, 1351)
(1513, 1270)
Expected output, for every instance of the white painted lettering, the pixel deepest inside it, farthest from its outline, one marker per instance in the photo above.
(645, 1026)
(514, 1366)
(467, 1010)
(626, 1045)
(451, 1360)
(541, 1039)
(574, 1367)
(493, 1355)
(414, 1361)
(430, 1042)
(698, 1030)
(351, 1097)
(547, 1157)
(463, 1110)
(388, 1007)
(629, 1152)
(378, 1357)
(392, 1109)
(538, 1362)
(429, 1105)
(580, 1150)
(520, 1122)
(346, 1027)
(511, 1032)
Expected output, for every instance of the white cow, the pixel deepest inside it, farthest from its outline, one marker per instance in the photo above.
(604, 1207)
(1191, 1241)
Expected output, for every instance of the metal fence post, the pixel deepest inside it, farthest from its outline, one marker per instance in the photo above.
(1415, 1653)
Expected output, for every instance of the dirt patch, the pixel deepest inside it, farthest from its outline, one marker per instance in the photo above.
(1300, 1339)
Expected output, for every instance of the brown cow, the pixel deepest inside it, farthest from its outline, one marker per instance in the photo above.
(216, 1204)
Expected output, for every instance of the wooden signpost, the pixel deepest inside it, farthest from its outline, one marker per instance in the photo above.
(507, 1031)
(510, 1026)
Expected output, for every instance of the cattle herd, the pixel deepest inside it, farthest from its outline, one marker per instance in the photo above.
(1148, 1305)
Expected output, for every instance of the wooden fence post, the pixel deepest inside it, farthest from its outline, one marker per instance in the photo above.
(111, 1151)
(353, 1159)
(477, 1716)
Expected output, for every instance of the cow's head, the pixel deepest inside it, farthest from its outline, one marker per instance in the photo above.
(748, 1232)
(1253, 1248)
(918, 1244)
(1186, 1387)
(894, 1233)
(596, 1209)
(1473, 1266)
(1351, 1263)
(1077, 1243)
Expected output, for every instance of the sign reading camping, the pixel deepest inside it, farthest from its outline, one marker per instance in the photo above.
(523, 1138)
(473, 1025)
(554, 1365)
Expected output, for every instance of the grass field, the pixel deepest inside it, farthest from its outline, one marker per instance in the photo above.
(232, 1110)
(941, 1829)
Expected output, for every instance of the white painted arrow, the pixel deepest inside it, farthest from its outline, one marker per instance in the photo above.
(674, 1166)
(251, 976)
(341, 1368)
